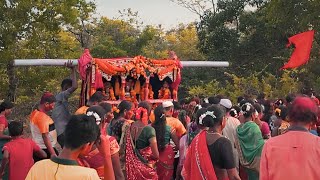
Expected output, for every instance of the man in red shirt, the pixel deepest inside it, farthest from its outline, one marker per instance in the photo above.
(18, 153)
(294, 154)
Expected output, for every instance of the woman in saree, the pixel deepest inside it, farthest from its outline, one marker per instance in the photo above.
(249, 142)
(122, 116)
(193, 129)
(264, 127)
(139, 143)
(210, 155)
(164, 134)
(103, 115)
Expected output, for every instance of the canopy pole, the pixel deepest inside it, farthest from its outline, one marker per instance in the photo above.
(61, 62)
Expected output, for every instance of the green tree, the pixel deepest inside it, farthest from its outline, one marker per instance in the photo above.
(34, 25)
(114, 38)
(252, 35)
(184, 41)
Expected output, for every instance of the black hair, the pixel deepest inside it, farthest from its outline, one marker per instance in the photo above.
(146, 105)
(239, 99)
(96, 97)
(220, 96)
(80, 130)
(106, 106)
(205, 105)
(279, 102)
(99, 110)
(182, 116)
(15, 128)
(66, 82)
(176, 105)
(47, 97)
(160, 127)
(235, 110)
(99, 89)
(198, 114)
(183, 101)
(244, 101)
(195, 110)
(6, 105)
(123, 106)
(284, 112)
(247, 110)
(261, 96)
(258, 107)
(212, 120)
(2, 108)
(213, 100)
(290, 98)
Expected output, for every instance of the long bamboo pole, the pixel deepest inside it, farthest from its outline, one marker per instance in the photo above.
(61, 62)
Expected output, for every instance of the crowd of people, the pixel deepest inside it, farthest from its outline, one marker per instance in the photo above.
(209, 138)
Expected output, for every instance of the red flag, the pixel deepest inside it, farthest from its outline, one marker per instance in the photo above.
(303, 45)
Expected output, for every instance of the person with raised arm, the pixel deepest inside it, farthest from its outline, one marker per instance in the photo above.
(61, 113)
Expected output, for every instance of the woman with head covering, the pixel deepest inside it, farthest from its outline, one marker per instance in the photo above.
(139, 144)
(210, 155)
(164, 134)
(94, 158)
(249, 142)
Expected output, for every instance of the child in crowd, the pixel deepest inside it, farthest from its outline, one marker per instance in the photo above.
(18, 153)
(81, 134)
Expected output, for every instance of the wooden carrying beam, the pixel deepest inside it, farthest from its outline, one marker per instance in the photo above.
(61, 62)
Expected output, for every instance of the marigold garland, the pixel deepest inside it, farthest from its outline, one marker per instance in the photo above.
(140, 64)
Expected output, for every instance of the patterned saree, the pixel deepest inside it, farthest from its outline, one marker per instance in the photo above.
(198, 165)
(138, 163)
(165, 165)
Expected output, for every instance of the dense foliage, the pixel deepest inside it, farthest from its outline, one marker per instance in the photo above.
(250, 34)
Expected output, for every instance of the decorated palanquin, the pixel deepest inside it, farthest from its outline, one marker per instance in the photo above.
(134, 79)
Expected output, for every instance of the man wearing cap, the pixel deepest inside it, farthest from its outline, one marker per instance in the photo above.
(230, 128)
(174, 123)
(42, 126)
(294, 155)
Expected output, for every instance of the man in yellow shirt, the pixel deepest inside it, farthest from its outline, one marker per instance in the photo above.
(80, 135)
(174, 123)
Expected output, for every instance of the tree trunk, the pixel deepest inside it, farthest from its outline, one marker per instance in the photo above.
(12, 81)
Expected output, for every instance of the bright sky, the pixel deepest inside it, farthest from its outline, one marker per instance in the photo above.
(151, 12)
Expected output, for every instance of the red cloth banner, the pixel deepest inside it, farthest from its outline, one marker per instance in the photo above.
(301, 54)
